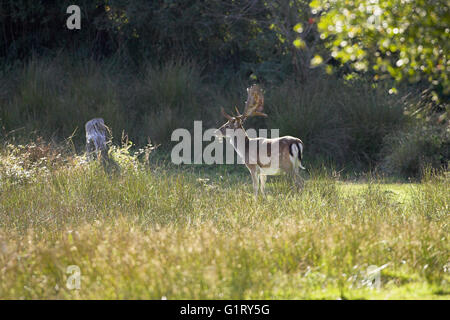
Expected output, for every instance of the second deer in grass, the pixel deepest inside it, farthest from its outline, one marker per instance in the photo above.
(283, 154)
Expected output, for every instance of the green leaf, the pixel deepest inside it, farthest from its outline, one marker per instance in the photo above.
(315, 4)
(317, 60)
(298, 28)
(299, 43)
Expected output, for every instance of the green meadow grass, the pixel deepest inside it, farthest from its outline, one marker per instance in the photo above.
(159, 231)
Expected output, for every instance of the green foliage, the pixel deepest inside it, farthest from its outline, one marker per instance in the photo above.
(57, 97)
(165, 98)
(25, 163)
(124, 157)
(148, 67)
(39, 27)
(244, 38)
(306, 111)
(410, 151)
(370, 113)
(342, 121)
(406, 39)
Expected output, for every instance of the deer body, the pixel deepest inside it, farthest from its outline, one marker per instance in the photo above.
(289, 156)
(283, 154)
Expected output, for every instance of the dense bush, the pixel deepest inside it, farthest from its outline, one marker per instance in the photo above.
(56, 97)
(310, 111)
(343, 121)
(148, 67)
(229, 38)
(162, 99)
(339, 120)
(410, 151)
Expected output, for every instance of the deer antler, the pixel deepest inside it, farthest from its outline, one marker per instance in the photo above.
(255, 102)
(253, 106)
(226, 115)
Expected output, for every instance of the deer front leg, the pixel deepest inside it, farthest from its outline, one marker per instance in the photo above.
(255, 178)
(262, 180)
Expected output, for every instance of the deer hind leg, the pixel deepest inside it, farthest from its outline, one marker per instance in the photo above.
(298, 180)
(296, 150)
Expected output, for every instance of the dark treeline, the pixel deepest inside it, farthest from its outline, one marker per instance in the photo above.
(148, 67)
(241, 37)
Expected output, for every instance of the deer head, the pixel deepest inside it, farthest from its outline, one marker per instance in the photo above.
(253, 107)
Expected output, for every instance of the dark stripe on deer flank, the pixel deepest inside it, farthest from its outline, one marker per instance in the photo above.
(290, 150)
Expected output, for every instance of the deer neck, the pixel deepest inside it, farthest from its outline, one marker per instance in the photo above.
(240, 143)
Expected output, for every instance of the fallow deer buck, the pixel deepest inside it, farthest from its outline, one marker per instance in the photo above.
(283, 154)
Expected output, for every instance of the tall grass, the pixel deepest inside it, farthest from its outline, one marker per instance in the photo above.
(344, 121)
(55, 97)
(347, 123)
(310, 112)
(153, 232)
(165, 98)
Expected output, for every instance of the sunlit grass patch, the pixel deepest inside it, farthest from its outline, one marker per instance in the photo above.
(153, 231)
(401, 192)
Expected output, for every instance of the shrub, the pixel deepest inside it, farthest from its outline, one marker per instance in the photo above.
(24, 163)
(369, 113)
(55, 97)
(408, 152)
(306, 111)
(339, 120)
(162, 99)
